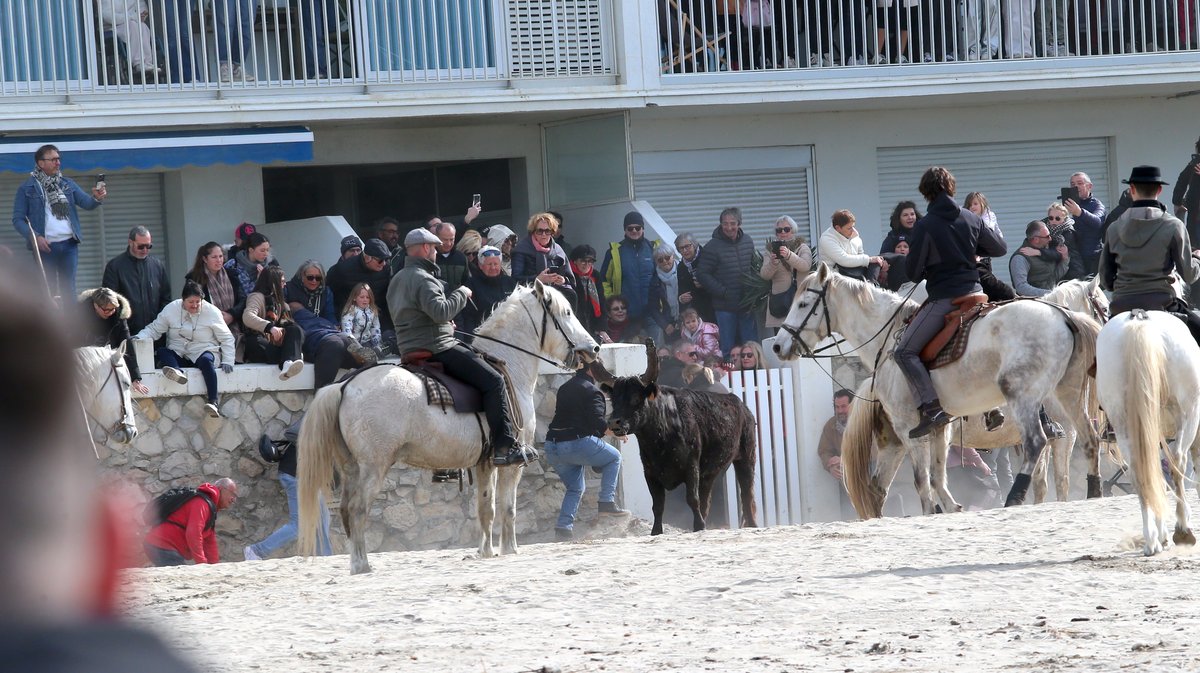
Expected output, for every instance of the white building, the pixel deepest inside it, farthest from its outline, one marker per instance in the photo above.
(564, 105)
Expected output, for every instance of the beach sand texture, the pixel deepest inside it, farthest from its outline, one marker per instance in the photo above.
(1054, 587)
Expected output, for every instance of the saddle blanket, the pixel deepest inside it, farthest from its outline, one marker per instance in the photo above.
(950, 344)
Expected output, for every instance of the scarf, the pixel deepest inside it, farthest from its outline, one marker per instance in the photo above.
(55, 197)
(546, 250)
(670, 281)
(587, 282)
(220, 290)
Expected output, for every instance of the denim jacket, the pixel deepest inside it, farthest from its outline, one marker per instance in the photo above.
(31, 203)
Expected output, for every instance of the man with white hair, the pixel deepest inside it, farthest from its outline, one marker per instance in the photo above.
(1088, 213)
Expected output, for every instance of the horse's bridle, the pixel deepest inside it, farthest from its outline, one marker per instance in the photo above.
(125, 428)
(806, 351)
(547, 317)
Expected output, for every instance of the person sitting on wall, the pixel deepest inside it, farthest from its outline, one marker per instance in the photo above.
(841, 246)
(360, 318)
(371, 267)
(103, 322)
(273, 337)
(619, 327)
(222, 287)
(250, 259)
(324, 345)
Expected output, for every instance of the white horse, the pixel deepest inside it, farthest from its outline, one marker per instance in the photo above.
(382, 416)
(1148, 380)
(104, 388)
(1022, 355)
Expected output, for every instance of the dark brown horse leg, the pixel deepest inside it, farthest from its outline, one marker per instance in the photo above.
(658, 496)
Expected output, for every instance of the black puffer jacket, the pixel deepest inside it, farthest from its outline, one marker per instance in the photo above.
(943, 248)
(111, 331)
(488, 292)
(143, 282)
(343, 276)
(723, 266)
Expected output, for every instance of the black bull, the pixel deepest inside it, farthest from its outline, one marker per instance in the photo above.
(685, 437)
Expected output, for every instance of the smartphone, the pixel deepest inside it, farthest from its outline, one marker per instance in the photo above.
(99, 181)
(1069, 193)
(476, 199)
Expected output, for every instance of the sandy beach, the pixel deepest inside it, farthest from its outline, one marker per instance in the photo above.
(1054, 587)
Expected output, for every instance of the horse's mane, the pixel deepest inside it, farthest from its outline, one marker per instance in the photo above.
(864, 294)
(502, 319)
(1069, 293)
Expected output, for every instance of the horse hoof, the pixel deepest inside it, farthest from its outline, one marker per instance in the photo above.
(360, 571)
(1184, 537)
(1093, 486)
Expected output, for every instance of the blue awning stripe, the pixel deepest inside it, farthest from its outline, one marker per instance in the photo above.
(164, 150)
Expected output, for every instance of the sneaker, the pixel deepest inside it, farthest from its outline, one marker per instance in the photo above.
(563, 535)
(949, 58)
(880, 59)
(932, 418)
(225, 72)
(290, 368)
(790, 62)
(927, 57)
(212, 410)
(248, 552)
(820, 60)
(365, 357)
(514, 455)
(175, 375)
(610, 508)
(857, 60)
(240, 75)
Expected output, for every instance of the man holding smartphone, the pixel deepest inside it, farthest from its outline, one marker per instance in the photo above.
(45, 214)
(1088, 213)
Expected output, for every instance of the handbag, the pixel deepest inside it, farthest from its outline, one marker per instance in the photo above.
(778, 305)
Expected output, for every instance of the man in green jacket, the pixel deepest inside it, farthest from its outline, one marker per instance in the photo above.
(423, 315)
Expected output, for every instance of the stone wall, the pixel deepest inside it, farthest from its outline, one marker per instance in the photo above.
(178, 445)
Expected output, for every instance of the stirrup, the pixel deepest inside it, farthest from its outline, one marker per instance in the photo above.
(993, 419)
(445, 476)
(516, 454)
(931, 419)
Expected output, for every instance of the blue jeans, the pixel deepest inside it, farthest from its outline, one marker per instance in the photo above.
(736, 329)
(61, 262)
(234, 38)
(177, 24)
(205, 363)
(569, 458)
(286, 534)
(317, 22)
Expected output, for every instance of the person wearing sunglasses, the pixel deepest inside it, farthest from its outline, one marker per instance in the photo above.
(538, 256)
(489, 285)
(48, 202)
(325, 345)
(589, 291)
(139, 277)
(786, 259)
(1064, 242)
(629, 265)
(1034, 274)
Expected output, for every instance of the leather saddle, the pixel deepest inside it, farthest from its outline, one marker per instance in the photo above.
(950, 343)
(440, 388)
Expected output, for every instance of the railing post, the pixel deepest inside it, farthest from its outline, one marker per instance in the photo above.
(635, 24)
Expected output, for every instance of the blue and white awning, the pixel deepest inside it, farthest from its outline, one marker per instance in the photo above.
(163, 150)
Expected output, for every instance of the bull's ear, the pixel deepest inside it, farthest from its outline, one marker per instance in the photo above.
(651, 391)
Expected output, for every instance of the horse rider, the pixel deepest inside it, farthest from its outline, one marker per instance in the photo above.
(1143, 247)
(943, 248)
(423, 314)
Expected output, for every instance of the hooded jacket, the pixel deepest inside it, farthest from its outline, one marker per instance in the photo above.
(944, 245)
(1142, 248)
(722, 267)
(497, 234)
(193, 335)
(111, 331)
(186, 529)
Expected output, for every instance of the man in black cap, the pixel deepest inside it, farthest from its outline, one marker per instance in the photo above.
(371, 267)
(351, 247)
(629, 265)
(1143, 247)
(423, 312)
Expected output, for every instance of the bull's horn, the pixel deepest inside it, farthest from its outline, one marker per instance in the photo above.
(651, 374)
(600, 372)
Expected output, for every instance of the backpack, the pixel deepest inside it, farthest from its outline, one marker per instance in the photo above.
(169, 501)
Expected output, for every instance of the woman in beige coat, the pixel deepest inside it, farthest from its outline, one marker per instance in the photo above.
(793, 261)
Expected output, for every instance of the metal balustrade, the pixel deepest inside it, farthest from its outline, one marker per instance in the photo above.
(706, 36)
(85, 46)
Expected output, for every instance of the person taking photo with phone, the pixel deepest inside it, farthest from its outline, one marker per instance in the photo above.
(1088, 212)
(539, 257)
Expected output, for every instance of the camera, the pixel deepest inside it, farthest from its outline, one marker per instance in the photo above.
(775, 247)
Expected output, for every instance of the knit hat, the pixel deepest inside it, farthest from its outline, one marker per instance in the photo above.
(351, 242)
(634, 217)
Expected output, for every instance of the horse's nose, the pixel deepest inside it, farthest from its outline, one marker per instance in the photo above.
(776, 348)
(596, 349)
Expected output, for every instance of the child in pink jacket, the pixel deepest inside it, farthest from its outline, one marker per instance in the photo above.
(705, 335)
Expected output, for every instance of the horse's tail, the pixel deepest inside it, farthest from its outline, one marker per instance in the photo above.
(1143, 358)
(1086, 331)
(857, 440)
(320, 438)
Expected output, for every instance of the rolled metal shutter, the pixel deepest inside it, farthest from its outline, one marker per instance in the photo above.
(133, 199)
(1019, 178)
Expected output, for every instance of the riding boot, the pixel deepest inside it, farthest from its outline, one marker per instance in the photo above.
(1053, 430)
(993, 419)
(932, 418)
(513, 454)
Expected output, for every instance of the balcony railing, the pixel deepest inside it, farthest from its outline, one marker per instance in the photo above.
(86, 46)
(707, 36)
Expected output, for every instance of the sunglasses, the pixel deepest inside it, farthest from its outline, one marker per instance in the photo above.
(586, 260)
(543, 231)
(144, 246)
(490, 253)
(747, 355)
(108, 309)
(617, 307)
(633, 228)
(314, 278)
(1055, 219)
(783, 230)
(693, 355)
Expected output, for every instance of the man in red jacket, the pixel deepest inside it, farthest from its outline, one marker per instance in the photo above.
(189, 533)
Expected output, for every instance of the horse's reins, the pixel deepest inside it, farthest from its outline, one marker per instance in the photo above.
(125, 420)
(547, 316)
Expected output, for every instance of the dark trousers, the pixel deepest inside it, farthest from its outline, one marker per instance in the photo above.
(260, 349)
(1149, 301)
(205, 363)
(924, 326)
(160, 557)
(464, 365)
(330, 356)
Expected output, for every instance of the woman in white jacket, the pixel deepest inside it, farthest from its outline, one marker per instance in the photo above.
(196, 337)
(841, 247)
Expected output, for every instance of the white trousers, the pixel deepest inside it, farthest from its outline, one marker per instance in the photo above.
(124, 18)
